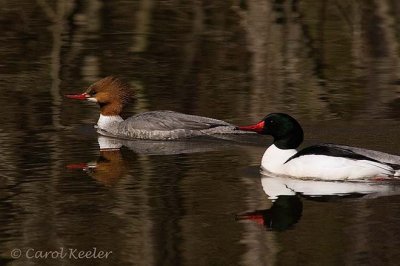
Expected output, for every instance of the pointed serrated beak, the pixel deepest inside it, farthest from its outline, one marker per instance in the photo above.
(255, 128)
(81, 96)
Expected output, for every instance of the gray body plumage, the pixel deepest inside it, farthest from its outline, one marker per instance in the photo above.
(169, 125)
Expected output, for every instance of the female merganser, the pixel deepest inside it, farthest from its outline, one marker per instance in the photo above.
(112, 95)
(325, 161)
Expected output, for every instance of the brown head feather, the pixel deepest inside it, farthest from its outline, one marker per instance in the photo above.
(112, 94)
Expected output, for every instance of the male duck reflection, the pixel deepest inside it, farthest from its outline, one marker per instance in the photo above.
(112, 95)
(287, 194)
(285, 212)
(325, 161)
(278, 186)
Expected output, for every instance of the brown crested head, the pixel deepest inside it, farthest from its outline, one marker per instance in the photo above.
(111, 93)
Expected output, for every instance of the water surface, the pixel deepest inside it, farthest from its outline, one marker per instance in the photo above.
(333, 65)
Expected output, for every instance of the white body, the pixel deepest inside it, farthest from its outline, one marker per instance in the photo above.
(321, 166)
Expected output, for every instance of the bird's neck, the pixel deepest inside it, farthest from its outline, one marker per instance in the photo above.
(111, 108)
(289, 141)
(109, 122)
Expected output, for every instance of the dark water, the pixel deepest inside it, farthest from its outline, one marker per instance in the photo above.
(334, 65)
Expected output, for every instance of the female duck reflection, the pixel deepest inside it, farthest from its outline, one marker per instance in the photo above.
(109, 167)
(111, 164)
(287, 192)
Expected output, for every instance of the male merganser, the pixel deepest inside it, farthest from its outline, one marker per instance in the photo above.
(327, 162)
(112, 95)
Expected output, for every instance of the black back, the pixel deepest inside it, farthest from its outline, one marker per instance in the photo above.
(331, 151)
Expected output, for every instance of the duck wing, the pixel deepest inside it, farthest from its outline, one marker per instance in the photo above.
(377, 155)
(333, 151)
(170, 120)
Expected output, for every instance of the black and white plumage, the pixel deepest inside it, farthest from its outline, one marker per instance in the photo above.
(324, 161)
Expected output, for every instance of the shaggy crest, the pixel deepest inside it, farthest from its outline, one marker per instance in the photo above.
(113, 85)
(112, 94)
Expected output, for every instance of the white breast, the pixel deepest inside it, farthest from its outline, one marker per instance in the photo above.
(274, 158)
(109, 123)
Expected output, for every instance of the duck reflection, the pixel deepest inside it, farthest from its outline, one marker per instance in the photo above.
(275, 186)
(107, 169)
(287, 194)
(284, 213)
(112, 163)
